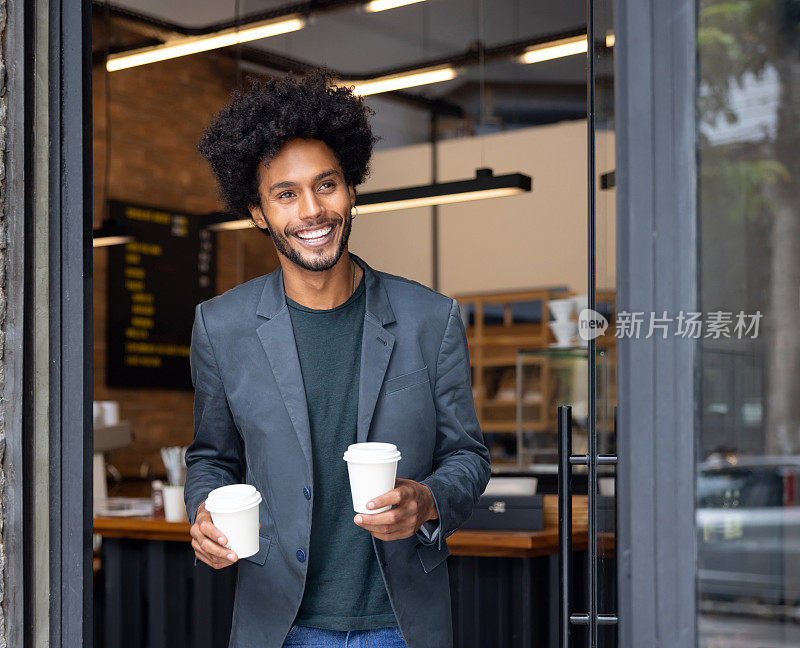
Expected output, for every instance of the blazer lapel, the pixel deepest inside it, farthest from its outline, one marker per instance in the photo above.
(376, 348)
(277, 338)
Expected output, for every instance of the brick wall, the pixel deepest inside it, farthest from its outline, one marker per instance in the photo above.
(157, 114)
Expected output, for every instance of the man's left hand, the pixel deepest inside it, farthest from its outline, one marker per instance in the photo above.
(413, 505)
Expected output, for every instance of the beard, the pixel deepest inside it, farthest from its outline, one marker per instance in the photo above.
(316, 262)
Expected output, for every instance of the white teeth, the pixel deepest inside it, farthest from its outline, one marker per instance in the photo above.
(319, 233)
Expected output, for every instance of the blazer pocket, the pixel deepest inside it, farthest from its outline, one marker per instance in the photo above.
(406, 380)
(260, 557)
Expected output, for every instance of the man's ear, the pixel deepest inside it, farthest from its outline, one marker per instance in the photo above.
(257, 215)
(352, 191)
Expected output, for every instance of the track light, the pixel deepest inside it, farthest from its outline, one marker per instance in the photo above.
(194, 44)
(484, 185)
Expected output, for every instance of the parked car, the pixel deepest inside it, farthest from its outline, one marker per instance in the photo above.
(748, 529)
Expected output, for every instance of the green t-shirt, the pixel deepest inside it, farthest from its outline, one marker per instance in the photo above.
(344, 587)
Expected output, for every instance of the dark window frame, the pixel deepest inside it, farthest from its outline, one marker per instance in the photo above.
(71, 386)
(67, 313)
(657, 269)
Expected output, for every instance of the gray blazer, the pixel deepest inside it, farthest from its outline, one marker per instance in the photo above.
(251, 424)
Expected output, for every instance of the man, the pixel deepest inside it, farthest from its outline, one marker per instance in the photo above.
(292, 367)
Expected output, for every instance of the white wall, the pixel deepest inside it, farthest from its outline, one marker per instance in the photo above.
(397, 242)
(513, 243)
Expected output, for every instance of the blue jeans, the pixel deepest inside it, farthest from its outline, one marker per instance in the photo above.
(305, 637)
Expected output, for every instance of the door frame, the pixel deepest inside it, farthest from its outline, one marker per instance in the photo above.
(71, 314)
(48, 349)
(657, 269)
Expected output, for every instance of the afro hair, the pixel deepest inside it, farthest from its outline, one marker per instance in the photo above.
(259, 121)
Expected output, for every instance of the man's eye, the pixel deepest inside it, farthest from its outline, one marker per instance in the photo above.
(324, 184)
(285, 193)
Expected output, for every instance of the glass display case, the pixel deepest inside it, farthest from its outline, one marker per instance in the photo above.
(545, 379)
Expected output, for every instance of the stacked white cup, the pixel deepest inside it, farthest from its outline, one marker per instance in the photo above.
(563, 326)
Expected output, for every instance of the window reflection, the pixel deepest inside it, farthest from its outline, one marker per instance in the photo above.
(748, 519)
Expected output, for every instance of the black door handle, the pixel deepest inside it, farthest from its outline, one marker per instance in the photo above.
(565, 462)
(564, 524)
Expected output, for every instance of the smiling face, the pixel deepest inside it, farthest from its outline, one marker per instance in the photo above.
(306, 204)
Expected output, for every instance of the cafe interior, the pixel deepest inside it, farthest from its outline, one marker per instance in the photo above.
(477, 190)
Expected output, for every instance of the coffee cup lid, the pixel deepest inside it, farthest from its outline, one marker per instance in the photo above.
(232, 499)
(372, 452)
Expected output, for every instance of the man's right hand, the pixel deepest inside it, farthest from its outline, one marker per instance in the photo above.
(208, 542)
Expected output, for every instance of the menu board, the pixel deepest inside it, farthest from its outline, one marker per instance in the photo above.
(154, 284)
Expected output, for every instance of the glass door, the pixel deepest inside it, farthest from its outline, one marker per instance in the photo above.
(605, 282)
(588, 604)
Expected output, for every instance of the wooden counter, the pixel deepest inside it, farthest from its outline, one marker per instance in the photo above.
(514, 544)
(142, 529)
(511, 544)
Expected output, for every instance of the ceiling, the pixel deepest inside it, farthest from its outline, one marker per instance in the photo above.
(351, 41)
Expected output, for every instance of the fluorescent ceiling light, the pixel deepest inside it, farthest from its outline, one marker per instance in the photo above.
(484, 185)
(194, 44)
(400, 81)
(224, 226)
(224, 221)
(110, 233)
(556, 49)
(383, 5)
(111, 240)
(410, 203)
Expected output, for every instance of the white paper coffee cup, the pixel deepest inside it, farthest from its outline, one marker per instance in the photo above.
(234, 511)
(372, 467)
(174, 507)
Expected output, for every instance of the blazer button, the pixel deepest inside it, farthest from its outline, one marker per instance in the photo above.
(301, 555)
(307, 493)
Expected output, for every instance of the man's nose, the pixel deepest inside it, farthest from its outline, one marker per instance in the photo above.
(310, 206)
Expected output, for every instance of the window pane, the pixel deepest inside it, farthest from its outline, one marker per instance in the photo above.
(748, 451)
